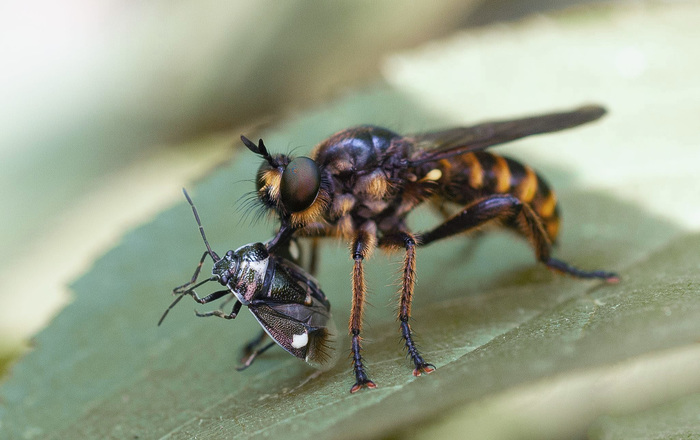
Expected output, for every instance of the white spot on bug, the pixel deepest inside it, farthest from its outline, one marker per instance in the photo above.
(301, 340)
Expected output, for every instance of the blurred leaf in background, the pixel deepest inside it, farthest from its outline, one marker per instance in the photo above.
(520, 353)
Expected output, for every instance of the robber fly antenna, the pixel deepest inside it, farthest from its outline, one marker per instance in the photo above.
(201, 229)
(259, 149)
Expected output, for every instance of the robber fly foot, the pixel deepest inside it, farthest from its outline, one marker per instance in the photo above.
(424, 367)
(362, 382)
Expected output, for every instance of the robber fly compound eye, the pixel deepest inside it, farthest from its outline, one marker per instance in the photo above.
(300, 183)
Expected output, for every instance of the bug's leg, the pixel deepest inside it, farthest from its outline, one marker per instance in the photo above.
(248, 360)
(220, 313)
(507, 208)
(408, 281)
(226, 301)
(181, 292)
(256, 341)
(181, 289)
(361, 248)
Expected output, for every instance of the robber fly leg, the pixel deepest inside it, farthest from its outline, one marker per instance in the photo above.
(407, 283)
(512, 211)
(361, 247)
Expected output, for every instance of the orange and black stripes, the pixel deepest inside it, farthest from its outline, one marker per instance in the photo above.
(362, 246)
(470, 176)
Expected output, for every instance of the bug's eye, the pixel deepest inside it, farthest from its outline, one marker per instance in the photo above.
(300, 183)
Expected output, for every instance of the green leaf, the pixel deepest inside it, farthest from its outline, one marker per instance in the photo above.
(520, 352)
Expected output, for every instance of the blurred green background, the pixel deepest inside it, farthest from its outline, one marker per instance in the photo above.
(109, 109)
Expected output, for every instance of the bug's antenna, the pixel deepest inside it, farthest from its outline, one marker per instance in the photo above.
(201, 229)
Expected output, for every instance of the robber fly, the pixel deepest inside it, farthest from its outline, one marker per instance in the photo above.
(285, 300)
(361, 183)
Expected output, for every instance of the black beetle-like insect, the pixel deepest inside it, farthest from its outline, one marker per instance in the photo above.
(361, 183)
(286, 301)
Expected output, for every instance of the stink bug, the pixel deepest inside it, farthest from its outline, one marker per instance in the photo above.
(285, 300)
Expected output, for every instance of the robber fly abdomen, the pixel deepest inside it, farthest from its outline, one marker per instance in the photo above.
(472, 176)
(361, 183)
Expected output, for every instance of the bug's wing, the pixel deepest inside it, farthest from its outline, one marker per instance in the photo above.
(453, 142)
(305, 331)
(305, 280)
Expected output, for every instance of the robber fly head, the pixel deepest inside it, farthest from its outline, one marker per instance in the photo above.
(294, 187)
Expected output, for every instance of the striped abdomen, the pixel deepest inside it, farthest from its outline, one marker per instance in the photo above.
(470, 176)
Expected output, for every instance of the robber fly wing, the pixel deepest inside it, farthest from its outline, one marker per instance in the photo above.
(456, 141)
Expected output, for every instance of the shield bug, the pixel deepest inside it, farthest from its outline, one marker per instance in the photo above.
(285, 300)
